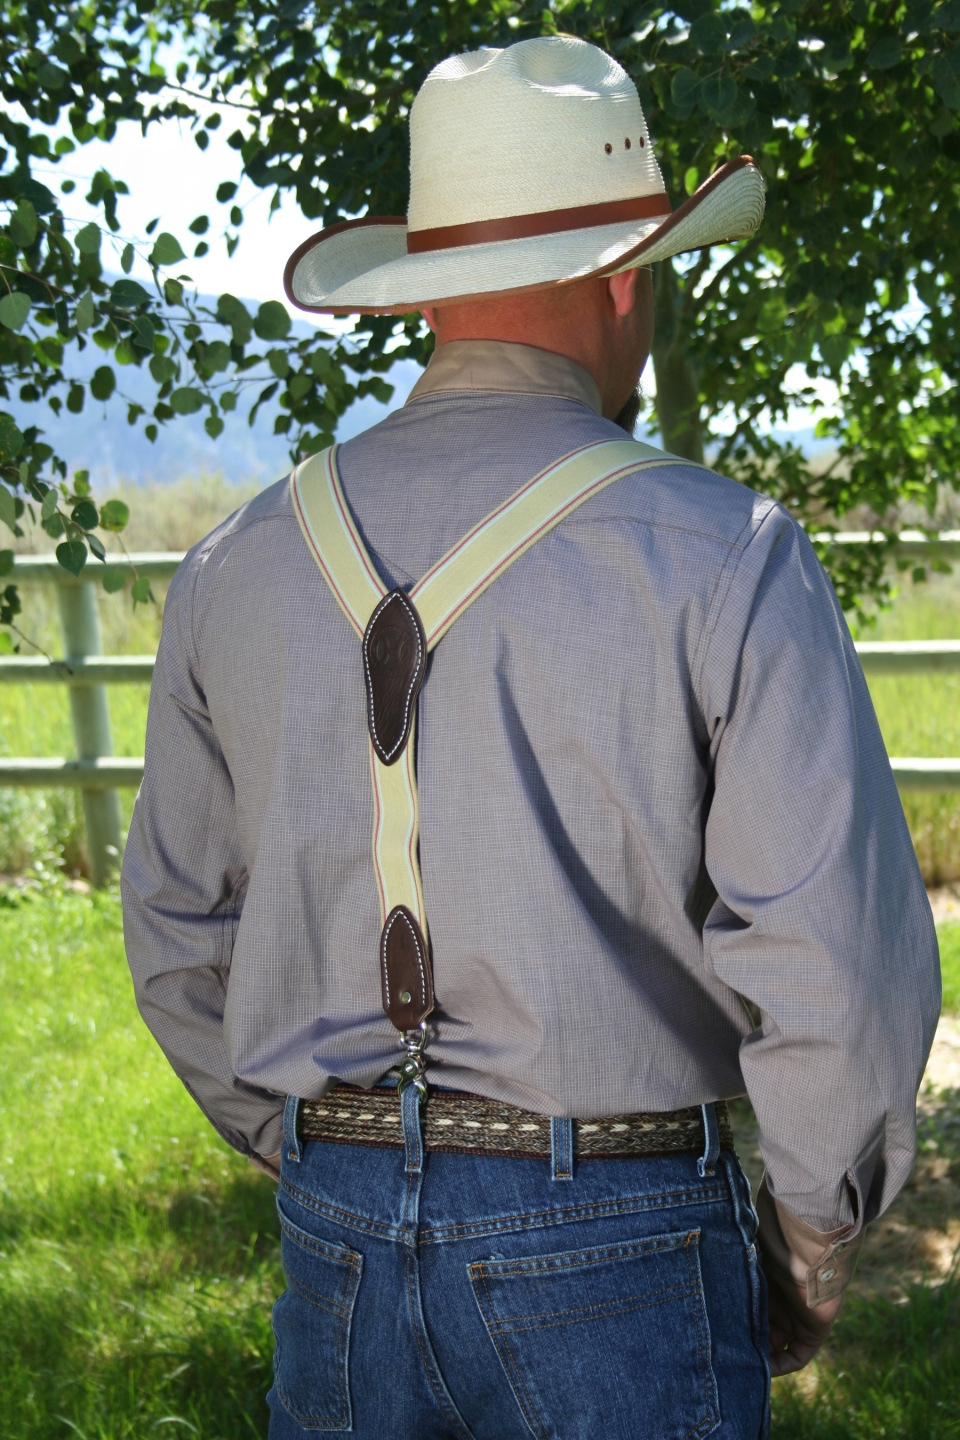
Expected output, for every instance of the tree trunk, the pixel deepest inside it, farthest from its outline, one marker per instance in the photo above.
(678, 405)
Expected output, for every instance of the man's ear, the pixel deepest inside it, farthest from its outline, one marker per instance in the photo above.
(430, 315)
(622, 289)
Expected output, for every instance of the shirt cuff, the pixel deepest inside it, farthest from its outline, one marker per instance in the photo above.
(269, 1164)
(820, 1261)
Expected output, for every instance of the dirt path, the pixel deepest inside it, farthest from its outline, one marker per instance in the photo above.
(920, 1234)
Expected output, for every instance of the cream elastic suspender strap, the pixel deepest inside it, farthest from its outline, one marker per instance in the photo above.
(438, 599)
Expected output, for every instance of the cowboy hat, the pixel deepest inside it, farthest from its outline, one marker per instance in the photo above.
(529, 166)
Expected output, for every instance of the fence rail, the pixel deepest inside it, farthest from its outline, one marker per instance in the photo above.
(86, 672)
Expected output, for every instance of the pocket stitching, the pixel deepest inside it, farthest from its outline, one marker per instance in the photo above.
(686, 1242)
(342, 1313)
(599, 1312)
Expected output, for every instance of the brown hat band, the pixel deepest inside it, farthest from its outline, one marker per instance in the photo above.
(541, 222)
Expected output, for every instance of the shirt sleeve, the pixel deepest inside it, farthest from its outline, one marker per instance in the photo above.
(821, 920)
(183, 883)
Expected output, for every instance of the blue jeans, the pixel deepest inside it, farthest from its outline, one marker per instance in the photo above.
(478, 1296)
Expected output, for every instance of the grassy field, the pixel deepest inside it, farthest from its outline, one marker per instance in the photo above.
(919, 716)
(138, 1255)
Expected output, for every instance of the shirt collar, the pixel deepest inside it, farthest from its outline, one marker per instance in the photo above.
(502, 367)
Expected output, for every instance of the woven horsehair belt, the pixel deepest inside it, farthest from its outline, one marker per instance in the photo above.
(460, 1123)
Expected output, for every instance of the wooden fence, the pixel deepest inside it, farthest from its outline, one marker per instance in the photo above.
(87, 672)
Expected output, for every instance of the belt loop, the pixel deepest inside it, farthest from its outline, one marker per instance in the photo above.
(412, 1139)
(291, 1145)
(561, 1148)
(707, 1164)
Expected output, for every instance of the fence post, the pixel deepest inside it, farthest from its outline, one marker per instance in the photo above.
(90, 713)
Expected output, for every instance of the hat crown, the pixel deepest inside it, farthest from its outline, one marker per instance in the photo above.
(547, 124)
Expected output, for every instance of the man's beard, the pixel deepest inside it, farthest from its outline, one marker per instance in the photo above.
(627, 418)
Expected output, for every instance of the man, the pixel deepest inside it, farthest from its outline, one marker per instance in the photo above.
(661, 858)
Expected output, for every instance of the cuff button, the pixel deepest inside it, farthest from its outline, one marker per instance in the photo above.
(826, 1275)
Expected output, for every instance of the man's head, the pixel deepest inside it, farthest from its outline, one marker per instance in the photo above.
(604, 323)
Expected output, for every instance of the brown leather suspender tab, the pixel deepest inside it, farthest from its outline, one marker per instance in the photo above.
(394, 664)
(405, 972)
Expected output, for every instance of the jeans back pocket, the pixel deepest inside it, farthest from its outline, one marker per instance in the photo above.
(610, 1341)
(311, 1328)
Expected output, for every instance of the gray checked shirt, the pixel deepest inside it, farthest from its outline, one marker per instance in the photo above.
(664, 859)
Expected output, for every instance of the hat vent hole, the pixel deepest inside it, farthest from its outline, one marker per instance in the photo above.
(641, 142)
(608, 148)
(626, 143)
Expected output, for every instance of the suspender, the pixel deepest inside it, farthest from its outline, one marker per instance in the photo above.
(398, 631)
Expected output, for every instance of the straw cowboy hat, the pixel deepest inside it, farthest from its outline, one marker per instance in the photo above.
(529, 166)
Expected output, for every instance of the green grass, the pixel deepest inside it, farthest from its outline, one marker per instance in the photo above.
(949, 937)
(888, 1370)
(920, 715)
(138, 1258)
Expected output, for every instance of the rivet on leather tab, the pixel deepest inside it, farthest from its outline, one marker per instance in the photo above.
(394, 664)
(405, 970)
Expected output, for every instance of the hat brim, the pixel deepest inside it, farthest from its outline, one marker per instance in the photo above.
(363, 267)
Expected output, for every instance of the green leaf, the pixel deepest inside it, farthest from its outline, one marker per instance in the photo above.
(129, 294)
(226, 191)
(84, 514)
(87, 240)
(947, 17)
(186, 400)
(278, 362)
(96, 545)
(228, 400)
(885, 54)
(8, 508)
(201, 225)
(708, 34)
(72, 555)
(691, 179)
(685, 87)
(272, 322)
(719, 93)
(126, 259)
(945, 74)
(216, 356)
(113, 578)
(81, 482)
(6, 562)
(85, 314)
(49, 504)
(141, 591)
(11, 438)
(114, 515)
(6, 643)
(75, 398)
(213, 426)
(14, 310)
(103, 384)
(172, 292)
(162, 368)
(233, 312)
(24, 225)
(143, 334)
(166, 250)
(51, 76)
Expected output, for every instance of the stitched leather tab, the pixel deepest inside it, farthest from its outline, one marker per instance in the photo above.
(405, 975)
(394, 663)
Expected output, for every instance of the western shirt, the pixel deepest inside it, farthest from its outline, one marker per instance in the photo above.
(664, 859)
